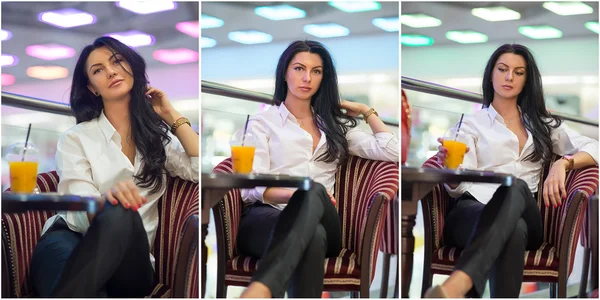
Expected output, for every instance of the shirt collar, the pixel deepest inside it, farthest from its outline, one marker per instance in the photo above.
(107, 128)
(493, 114)
(284, 113)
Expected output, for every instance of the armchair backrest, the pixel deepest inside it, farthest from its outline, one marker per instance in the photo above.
(229, 214)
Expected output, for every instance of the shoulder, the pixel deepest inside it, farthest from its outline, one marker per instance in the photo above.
(83, 129)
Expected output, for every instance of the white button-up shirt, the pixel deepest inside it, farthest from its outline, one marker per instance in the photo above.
(494, 147)
(283, 147)
(89, 162)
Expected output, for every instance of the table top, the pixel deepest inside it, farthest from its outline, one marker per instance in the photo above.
(248, 181)
(428, 175)
(12, 203)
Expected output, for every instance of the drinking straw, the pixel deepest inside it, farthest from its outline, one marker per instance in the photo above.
(26, 141)
(245, 129)
(459, 123)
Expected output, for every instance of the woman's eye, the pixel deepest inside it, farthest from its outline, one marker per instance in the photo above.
(96, 71)
(298, 68)
(502, 70)
(520, 73)
(317, 71)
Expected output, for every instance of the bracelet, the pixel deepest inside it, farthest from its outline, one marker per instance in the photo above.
(179, 122)
(368, 114)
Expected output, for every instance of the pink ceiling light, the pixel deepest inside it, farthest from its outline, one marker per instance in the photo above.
(133, 38)
(50, 51)
(8, 60)
(190, 28)
(147, 7)
(7, 79)
(67, 18)
(47, 72)
(175, 56)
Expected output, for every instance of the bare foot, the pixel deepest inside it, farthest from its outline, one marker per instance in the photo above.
(457, 285)
(256, 290)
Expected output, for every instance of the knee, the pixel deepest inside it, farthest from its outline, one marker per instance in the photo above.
(519, 237)
(521, 185)
(318, 243)
(116, 217)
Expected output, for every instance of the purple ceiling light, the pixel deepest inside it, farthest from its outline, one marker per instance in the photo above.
(5, 35)
(190, 28)
(133, 38)
(8, 60)
(67, 18)
(50, 51)
(147, 7)
(175, 56)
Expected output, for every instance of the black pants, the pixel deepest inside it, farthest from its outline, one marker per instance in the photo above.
(112, 259)
(495, 237)
(292, 243)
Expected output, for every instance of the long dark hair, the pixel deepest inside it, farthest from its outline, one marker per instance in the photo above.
(531, 101)
(148, 130)
(325, 102)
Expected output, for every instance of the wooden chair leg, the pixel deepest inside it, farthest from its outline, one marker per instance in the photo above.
(385, 276)
(364, 289)
(553, 288)
(584, 274)
(562, 286)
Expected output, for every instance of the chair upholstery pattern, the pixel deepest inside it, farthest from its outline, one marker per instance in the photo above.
(562, 226)
(359, 181)
(390, 242)
(178, 204)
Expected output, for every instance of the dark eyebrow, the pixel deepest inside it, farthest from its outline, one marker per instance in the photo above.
(507, 65)
(113, 56)
(305, 66)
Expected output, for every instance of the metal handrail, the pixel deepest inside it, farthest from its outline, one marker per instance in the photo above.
(233, 92)
(36, 104)
(444, 91)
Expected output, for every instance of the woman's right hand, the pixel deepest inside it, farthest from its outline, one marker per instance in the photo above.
(443, 152)
(126, 193)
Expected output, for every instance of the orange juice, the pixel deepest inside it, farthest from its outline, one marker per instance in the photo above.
(23, 175)
(242, 157)
(456, 153)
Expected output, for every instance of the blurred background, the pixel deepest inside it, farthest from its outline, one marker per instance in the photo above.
(449, 43)
(241, 45)
(42, 41)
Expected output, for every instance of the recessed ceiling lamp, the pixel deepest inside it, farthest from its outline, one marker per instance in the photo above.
(494, 14)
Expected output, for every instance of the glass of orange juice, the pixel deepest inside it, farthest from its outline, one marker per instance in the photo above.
(23, 164)
(242, 152)
(457, 147)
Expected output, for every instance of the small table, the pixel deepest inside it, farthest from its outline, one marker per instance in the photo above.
(416, 183)
(216, 185)
(19, 203)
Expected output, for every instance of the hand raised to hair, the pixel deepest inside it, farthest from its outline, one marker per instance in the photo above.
(162, 105)
(354, 109)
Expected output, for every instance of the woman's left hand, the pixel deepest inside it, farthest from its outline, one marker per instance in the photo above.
(354, 109)
(554, 186)
(161, 104)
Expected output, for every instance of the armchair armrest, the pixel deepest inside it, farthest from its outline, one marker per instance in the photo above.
(435, 206)
(363, 189)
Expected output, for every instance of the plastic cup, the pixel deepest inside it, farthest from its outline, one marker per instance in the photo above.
(242, 152)
(23, 165)
(456, 148)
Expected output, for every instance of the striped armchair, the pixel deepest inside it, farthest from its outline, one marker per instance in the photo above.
(175, 246)
(363, 190)
(552, 262)
(389, 246)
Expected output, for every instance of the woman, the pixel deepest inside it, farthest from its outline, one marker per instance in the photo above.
(513, 133)
(305, 134)
(120, 149)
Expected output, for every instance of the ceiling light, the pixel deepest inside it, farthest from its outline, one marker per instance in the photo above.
(540, 32)
(133, 38)
(415, 40)
(50, 51)
(568, 8)
(466, 37)
(593, 26)
(355, 6)
(5, 35)
(250, 37)
(387, 24)
(494, 14)
(7, 79)
(190, 28)
(147, 7)
(420, 20)
(207, 21)
(326, 30)
(175, 56)
(67, 18)
(9, 60)
(280, 12)
(207, 42)
(47, 72)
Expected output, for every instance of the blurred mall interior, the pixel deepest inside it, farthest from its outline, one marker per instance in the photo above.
(448, 44)
(362, 38)
(41, 44)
